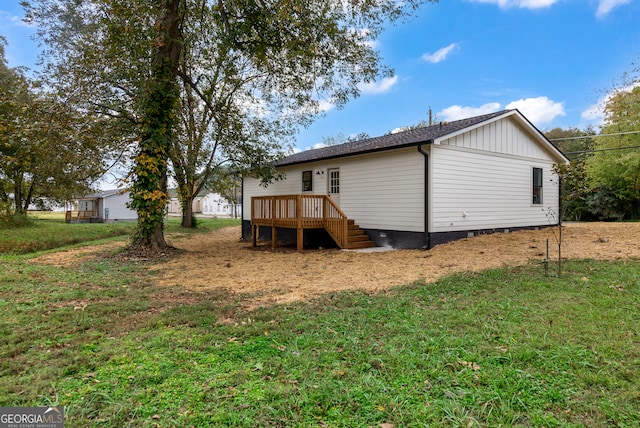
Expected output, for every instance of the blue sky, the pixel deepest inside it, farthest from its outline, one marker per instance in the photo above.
(552, 59)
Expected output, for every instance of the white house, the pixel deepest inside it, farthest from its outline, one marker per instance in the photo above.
(207, 203)
(215, 204)
(103, 207)
(417, 188)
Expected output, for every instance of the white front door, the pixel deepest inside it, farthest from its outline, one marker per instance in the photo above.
(334, 184)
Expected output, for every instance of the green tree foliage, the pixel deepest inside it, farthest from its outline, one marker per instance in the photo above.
(48, 151)
(574, 189)
(577, 145)
(340, 138)
(614, 168)
(227, 182)
(224, 122)
(129, 59)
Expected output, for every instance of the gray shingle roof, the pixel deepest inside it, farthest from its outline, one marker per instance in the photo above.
(412, 137)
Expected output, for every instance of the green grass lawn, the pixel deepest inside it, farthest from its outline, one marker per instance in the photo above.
(507, 347)
(49, 231)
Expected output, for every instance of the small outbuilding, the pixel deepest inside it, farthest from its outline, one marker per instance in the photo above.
(102, 207)
(412, 189)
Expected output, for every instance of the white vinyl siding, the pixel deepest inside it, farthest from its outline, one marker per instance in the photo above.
(478, 190)
(382, 190)
(479, 178)
(118, 210)
(290, 185)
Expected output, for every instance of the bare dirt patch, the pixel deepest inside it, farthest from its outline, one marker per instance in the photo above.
(71, 257)
(219, 260)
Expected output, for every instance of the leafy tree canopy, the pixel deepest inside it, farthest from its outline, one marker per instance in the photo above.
(613, 166)
(49, 152)
(574, 142)
(132, 60)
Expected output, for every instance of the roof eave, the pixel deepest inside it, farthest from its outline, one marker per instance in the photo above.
(364, 152)
(472, 127)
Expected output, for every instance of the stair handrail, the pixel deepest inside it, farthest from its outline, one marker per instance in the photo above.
(336, 225)
(301, 211)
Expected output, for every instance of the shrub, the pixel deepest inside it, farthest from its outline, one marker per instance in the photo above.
(13, 220)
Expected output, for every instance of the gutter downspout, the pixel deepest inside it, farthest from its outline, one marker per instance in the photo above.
(243, 206)
(427, 237)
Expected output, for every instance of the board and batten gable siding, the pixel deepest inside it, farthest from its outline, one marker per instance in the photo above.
(501, 136)
(482, 179)
(383, 190)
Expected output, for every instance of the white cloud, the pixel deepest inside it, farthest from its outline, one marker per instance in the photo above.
(522, 4)
(365, 35)
(606, 6)
(457, 112)
(595, 112)
(440, 54)
(325, 105)
(9, 20)
(378, 87)
(538, 110)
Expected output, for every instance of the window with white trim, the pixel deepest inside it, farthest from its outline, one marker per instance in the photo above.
(307, 181)
(537, 186)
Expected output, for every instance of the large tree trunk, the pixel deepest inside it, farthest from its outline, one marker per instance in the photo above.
(17, 193)
(187, 211)
(5, 202)
(149, 191)
(28, 198)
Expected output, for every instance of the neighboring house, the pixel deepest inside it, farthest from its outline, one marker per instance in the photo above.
(175, 207)
(102, 207)
(206, 203)
(216, 205)
(412, 189)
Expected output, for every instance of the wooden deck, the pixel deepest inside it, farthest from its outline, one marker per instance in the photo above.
(80, 216)
(302, 212)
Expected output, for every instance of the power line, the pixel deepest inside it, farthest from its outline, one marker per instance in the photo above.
(602, 150)
(594, 136)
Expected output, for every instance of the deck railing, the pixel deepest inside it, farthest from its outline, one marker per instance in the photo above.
(300, 212)
(77, 216)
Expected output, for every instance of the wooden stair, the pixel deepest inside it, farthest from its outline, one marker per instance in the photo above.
(302, 212)
(356, 238)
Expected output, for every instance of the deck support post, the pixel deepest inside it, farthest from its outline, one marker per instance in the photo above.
(300, 234)
(254, 234)
(300, 240)
(274, 236)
